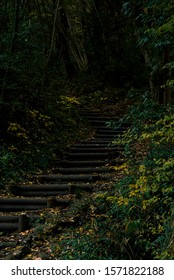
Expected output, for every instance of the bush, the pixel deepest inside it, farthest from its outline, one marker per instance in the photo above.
(134, 220)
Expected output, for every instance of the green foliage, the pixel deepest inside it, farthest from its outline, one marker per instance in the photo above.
(7, 162)
(42, 48)
(106, 99)
(135, 219)
(35, 138)
(153, 23)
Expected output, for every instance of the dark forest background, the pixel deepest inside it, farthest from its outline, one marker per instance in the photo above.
(56, 55)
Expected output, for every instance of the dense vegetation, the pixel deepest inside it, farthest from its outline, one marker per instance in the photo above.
(58, 54)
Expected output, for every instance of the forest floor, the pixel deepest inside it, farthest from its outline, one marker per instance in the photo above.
(42, 240)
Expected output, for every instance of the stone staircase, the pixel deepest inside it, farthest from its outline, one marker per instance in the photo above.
(84, 167)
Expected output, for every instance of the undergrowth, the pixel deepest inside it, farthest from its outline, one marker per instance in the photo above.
(34, 138)
(135, 219)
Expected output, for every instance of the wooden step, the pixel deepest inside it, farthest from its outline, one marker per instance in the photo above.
(99, 146)
(103, 140)
(98, 123)
(36, 187)
(14, 223)
(21, 204)
(8, 226)
(72, 178)
(90, 145)
(40, 190)
(94, 150)
(110, 131)
(83, 163)
(87, 170)
(106, 132)
(98, 141)
(87, 156)
(106, 136)
(90, 114)
(101, 117)
(48, 189)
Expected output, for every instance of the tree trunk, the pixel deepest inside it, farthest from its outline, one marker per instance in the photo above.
(167, 75)
(69, 66)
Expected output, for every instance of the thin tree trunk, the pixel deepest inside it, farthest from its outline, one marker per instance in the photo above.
(53, 37)
(69, 66)
(167, 73)
(151, 73)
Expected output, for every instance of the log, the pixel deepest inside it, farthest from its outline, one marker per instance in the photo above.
(51, 202)
(81, 177)
(63, 202)
(94, 150)
(21, 201)
(100, 146)
(95, 156)
(8, 226)
(41, 189)
(8, 219)
(98, 141)
(91, 145)
(102, 118)
(107, 136)
(42, 193)
(84, 170)
(11, 244)
(86, 163)
(22, 207)
(23, 223)
(43, 203)
(86, 188)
